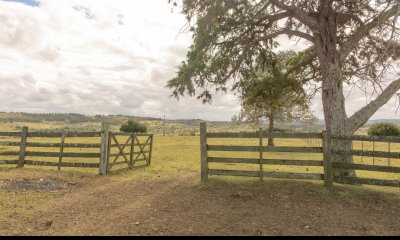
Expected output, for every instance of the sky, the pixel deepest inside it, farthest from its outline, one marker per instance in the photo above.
(33, 3)
(107, 57)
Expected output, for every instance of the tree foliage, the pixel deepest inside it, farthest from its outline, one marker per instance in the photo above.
(384, 129)
(269, 93)
(347, 42)
(133, 127)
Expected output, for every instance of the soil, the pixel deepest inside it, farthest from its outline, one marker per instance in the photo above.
(183, 206)
(46, 184)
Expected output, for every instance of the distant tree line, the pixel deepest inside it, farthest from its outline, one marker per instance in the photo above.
(45, 117)
(65, 117)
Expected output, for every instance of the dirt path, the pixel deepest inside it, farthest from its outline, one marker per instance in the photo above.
(181, 206)
(101, 208)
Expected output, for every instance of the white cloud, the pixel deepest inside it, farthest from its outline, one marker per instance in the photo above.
(100, 57)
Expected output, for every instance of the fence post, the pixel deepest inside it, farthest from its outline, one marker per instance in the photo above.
(64, 135)
(203, 150)
(151, 149)
(328, 171)
(261, 150)
(105, 137)
(22, 148)
(132, 149)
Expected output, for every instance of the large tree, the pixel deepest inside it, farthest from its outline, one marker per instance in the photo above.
(268, 93)
(349, 42)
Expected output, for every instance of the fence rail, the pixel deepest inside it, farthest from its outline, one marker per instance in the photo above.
(264, 134)
(367, 138)
(264, 149)
(327, 152)
(307, 163)
(368, 181)
(50, 145)
(367, 153)
(138, 151)
(363, 167)
(309, 176)
(63, 164)
(8, 162)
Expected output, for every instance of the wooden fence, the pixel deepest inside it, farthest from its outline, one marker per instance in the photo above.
(391, 158)
(95, 148)
(319, 158)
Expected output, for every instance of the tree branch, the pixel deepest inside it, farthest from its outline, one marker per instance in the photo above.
(300, 34)
(288, 32)
(345, 17)
(361, 117)
(297, 13)
(307, 59)
(364, 30)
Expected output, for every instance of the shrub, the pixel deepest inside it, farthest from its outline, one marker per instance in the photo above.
(280, 130)
(384, 129)
(133, 127)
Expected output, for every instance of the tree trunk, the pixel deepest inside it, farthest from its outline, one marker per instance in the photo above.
(271, 130)
(332, 85)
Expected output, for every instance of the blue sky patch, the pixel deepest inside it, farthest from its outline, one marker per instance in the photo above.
(33, 3)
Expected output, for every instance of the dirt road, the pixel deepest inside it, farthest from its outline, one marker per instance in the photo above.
(183, 206)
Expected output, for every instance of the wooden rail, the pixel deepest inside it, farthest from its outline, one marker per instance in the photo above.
(9, 144)
(264, 149)
(368, 181)
(57, 154)
(367, 138)
(309, 176)
(308, 163)
(59, 134)
(52, 154)
(265, 135)
(50, 145)
(8, 162)
(10, 134)
(366, 167)
(62, 164)
(367, 153)
(327, 151)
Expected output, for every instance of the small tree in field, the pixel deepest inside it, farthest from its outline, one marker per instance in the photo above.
(270, 93)
(133, 127)
(384, 129)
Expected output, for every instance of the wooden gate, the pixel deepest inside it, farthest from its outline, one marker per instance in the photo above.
(129, 151)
